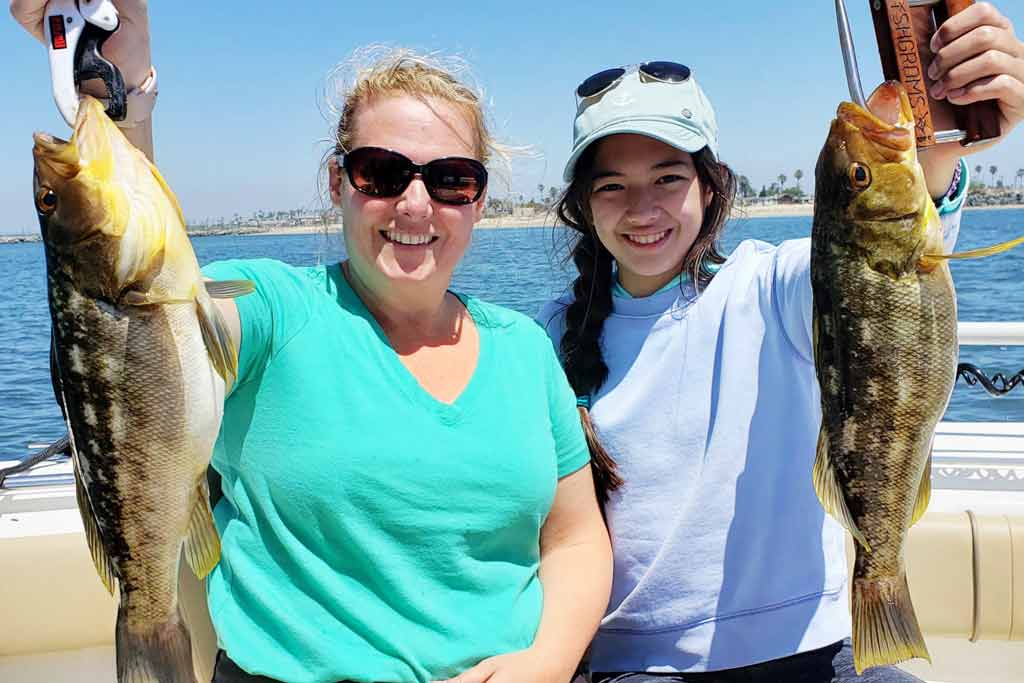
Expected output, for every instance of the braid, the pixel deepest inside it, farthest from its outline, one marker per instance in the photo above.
(585, 316)
(582, 357)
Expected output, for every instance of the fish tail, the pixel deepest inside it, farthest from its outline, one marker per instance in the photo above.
(161, 654)
(885, 628)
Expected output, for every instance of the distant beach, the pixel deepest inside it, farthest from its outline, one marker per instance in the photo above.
(537, 219)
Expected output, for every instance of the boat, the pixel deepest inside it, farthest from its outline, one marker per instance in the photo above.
(965, 562)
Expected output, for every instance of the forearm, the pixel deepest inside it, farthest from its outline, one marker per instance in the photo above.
(577, 580)
(939, 164)
(142, 137)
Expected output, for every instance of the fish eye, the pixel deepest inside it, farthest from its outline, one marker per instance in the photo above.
(860, 176)
(46, 201)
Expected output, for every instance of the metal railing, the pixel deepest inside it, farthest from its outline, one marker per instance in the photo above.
(970, 334)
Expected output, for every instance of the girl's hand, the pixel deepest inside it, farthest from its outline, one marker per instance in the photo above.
(128, 49)
(515, 667)
(978, 57)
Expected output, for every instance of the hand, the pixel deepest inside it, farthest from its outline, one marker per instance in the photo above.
(978, 57)
(515, 667)
(128, 49)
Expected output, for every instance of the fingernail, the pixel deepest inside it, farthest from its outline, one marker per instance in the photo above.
(935, 44)
(933, 71)
(937, 91)
(956, 92)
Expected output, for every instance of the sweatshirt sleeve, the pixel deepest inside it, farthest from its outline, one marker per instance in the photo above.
(792, 297)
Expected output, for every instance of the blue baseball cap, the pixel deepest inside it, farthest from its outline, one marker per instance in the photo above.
(676, 113)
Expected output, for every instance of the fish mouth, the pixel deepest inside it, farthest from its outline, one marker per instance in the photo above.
(888, 119)
(55, 157)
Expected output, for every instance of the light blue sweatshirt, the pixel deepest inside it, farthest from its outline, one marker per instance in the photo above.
(723, 554)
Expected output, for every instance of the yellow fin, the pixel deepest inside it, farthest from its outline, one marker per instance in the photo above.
(829, 493)
(217, 339)
(202, 545)
(229, 289)
(885, 628)
(977, 253)
(92, 531)
(134, 298)
(924, 493)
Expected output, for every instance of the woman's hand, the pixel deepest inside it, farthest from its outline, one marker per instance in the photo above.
(515, 667)
(975, 55)
(128, 49)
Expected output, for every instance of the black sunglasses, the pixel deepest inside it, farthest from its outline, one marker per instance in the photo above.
(665, 72)
(381, 172)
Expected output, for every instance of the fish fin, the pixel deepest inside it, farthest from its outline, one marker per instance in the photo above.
(217, 339)
(202, 545)
(92, 532)
(885, 628)
(976, 253)
(135, 298)
(829, 493)
(229, 289)
(161, 654)
(924, 492)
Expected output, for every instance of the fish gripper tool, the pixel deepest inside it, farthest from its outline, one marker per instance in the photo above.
(900, 53)
(75, 31)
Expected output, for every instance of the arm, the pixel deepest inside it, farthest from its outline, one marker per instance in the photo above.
(576, 572)
(128, 49)
(974, 56)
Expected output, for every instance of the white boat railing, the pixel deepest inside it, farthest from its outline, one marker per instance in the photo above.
(966, 455)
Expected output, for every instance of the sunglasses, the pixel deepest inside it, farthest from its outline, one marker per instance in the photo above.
(663, 72)
(379, 172)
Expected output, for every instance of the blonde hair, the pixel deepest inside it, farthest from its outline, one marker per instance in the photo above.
(381, 72)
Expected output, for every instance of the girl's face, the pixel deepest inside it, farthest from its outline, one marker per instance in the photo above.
(648, 205)
(406, 241)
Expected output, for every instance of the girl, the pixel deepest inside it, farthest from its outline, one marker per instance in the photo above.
(699, 374)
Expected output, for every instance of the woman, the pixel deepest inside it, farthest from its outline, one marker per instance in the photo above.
(699, 374)
(384, 517)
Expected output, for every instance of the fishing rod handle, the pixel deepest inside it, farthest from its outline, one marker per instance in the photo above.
(979, 120)
(898, 42)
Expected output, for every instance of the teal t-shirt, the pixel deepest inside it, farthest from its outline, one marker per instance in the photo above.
(370, 532)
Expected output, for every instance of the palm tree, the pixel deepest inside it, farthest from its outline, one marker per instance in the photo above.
(977, 171)
(992, 170)
(746, 190)
(1020, 177)
(540, 191)
(782, 182)
(798, 174)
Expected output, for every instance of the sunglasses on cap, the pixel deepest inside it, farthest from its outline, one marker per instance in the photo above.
(379, 172)
(663, 72)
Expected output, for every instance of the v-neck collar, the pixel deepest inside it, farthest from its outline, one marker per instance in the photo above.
(447, 413)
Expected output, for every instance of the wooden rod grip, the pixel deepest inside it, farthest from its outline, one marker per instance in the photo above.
(979, 120)
(901, 60)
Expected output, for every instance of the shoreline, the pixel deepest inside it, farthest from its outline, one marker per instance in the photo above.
(545, 219)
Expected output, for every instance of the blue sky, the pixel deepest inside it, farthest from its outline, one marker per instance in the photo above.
(239, 125)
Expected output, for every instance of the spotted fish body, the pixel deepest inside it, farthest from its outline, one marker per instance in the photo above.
(140, 356)
(885, 352)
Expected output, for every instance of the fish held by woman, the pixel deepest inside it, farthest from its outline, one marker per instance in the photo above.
(141, 358)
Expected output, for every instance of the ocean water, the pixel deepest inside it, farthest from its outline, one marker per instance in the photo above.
(521, 269)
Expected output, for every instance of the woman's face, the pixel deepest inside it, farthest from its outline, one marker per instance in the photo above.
(378, 230)
(647, 205)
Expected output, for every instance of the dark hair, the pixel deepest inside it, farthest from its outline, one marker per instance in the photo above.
(580, 346)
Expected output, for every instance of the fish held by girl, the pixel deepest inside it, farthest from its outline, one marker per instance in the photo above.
(141, 358)
(885, 345)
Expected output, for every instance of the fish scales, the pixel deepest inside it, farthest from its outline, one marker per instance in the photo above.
(885, 351)
(140, 356)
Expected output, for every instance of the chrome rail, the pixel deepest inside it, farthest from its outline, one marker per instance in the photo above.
(969, 333)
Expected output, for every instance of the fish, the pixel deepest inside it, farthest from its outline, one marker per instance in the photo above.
(885, 352)
(141, 358)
